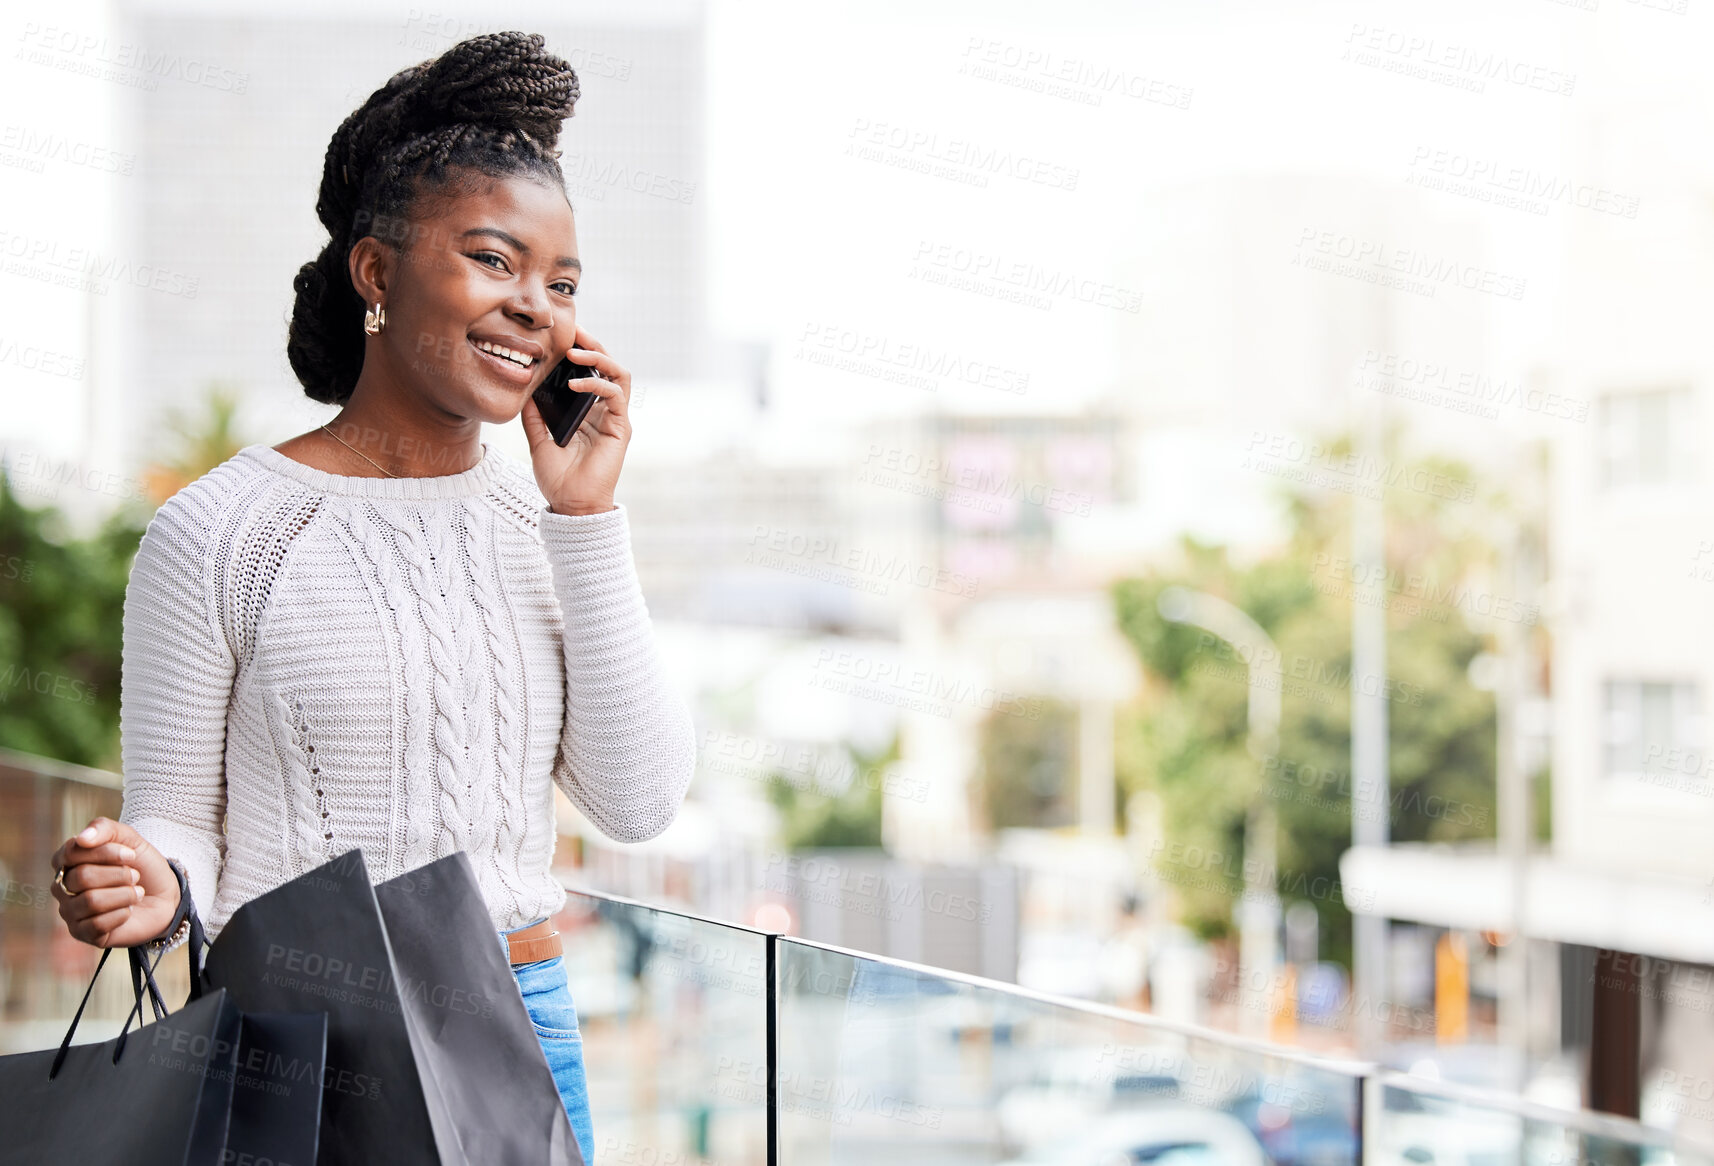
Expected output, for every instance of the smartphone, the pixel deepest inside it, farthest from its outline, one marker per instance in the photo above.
(562, 407)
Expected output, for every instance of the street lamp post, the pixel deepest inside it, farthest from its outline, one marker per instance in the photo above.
(1259, 909)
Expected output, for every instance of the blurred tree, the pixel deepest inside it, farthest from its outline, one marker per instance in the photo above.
(61, 613)
(62, 600)
(812, 818)
(203, 440)
(1184, 736)
(1028, 774)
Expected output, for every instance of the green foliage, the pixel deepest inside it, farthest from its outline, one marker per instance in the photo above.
(199, 440)
(812, 819)
(62, 600)
(1185, 736)
(1029, 766)
(207, 437)
(1541, 795)
(62, 607)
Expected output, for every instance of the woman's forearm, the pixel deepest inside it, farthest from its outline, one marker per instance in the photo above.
(175, 686)
(628, 747)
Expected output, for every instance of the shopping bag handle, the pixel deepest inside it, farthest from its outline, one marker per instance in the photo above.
(198, 938)
(136, 1008)
(148, 973)
(143, 972)
(59, 1059)
(141, 975)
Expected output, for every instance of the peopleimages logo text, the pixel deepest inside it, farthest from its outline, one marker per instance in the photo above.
(1027, 276)
(1378, 257)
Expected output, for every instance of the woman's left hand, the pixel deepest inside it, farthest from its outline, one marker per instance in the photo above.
(580, 477)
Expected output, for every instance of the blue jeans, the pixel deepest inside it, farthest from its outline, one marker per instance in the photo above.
(547, 998)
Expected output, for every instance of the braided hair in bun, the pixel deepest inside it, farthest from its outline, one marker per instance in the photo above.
(490, 106)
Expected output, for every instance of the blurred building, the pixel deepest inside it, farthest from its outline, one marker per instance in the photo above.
(1280, 309)
(1262, 298)
(1629, 595)
(930, 575)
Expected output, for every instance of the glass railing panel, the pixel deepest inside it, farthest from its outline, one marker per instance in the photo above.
(1413, 1122)
(888, 1062)
(673, 1014)
(878, 1060)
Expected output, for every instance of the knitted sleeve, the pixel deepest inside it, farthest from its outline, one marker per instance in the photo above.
(628, 746)
(175, 682)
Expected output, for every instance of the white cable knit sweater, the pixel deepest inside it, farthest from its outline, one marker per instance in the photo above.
(316, 661)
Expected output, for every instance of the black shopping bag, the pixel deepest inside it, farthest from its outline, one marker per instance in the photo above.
(277, 1089)
(277, 1078)
(160, 1095)
(431, 1057)
(472, 1031)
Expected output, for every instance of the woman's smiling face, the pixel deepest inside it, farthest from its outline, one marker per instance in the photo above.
(486, 269)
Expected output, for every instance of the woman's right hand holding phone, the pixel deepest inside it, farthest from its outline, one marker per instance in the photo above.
(117, 889)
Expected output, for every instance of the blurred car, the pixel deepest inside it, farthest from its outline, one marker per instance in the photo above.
(1298, 1137)
(1066, 963)
(1070, 1086)
(1409, 1139)
(1414, 1130)
(1163, 1134)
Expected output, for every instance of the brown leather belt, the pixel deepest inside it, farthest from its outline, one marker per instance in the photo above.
(539, 942)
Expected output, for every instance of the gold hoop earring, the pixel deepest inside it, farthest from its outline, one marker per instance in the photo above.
(374, 320)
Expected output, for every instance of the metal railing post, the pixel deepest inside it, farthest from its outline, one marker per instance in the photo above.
(771, 964)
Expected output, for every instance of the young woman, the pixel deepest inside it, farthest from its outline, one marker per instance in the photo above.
(384, 633)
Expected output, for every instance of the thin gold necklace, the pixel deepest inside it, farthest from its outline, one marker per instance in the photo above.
(360, 453)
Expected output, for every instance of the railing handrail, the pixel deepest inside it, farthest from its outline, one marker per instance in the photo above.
(665, 909)
(1584, 1121)
(1092, 1007)
(53, 767)
(1362, 1073)
(1346, 1067)
(1354, 1068)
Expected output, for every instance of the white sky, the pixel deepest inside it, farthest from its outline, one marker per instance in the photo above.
(800, 232)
